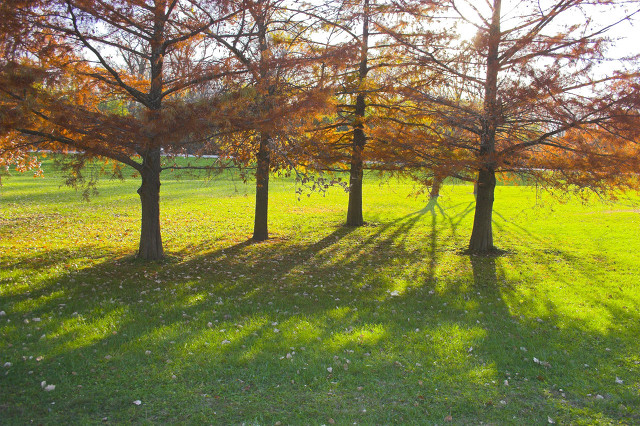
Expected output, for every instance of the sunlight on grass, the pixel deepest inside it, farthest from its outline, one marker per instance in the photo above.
(370, 335)
(194, 300)
(384, 324)
(31, 305)
(85, 330)
(453, 343)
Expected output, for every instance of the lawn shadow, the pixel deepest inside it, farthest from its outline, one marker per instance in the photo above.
(250, 330)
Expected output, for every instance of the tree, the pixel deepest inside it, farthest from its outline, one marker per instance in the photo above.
(60, 101)
(360, 85)
(14, 36)
(532, 91)
(278, 92)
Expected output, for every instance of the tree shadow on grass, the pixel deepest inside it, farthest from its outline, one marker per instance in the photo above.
(298, 332)
(571, 361)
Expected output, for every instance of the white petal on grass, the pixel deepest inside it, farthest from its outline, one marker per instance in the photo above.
(7, 364)
(619, 381)
(49, 388)
(137, 402)
(225, 342)
(329, 369)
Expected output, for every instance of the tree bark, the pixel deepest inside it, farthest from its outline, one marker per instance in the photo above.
(482, 235)
(260, 228)
(435, 187)
(354, 211)
(150, 247)
(150, 240)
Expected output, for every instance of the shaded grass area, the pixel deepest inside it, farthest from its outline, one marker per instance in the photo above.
(387, 323)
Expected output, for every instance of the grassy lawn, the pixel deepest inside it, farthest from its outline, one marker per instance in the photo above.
(321, 324)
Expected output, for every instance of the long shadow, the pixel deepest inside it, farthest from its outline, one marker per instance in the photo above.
(519, 227)
(248, 326)
(546, 350)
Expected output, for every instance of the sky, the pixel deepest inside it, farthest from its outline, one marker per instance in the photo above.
(624, 36)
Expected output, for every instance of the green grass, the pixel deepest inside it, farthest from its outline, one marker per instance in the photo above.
(226, 331)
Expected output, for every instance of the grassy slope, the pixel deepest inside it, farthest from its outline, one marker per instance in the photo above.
(226, 331)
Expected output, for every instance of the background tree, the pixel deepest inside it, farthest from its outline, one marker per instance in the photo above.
(362, 82)
(15, 37)
(60, 102)
(278, 92)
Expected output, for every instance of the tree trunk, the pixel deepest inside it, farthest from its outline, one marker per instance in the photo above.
(260, 229)
(150, 247)
(150, 240)
(482, 234)
(435, 187)
(354, 212)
